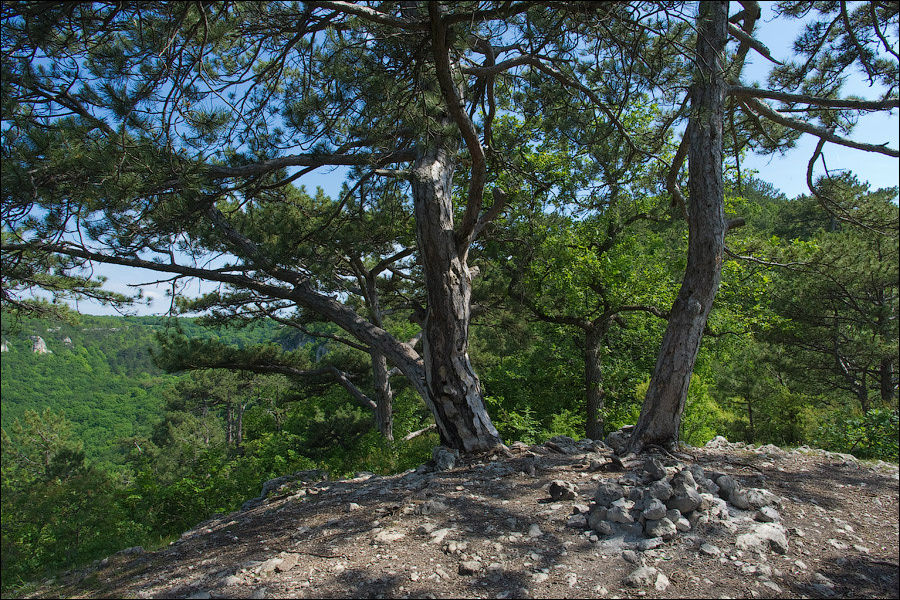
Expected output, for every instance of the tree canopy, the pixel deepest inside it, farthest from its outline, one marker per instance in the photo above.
(171, 135)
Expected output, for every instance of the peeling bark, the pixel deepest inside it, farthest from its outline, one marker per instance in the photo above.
(453, 388)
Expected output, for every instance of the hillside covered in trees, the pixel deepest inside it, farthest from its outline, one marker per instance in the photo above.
(546, 228)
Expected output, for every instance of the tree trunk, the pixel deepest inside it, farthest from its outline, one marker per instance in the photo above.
(664, 404)
(752, 432)
(453, 387)
(862, 393)
(229, 427)
(239, 426)
(384, 418)
(384, 396)
(593, 381)
(886, 380)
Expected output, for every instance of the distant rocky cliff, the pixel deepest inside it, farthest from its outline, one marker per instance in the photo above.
(39, 346)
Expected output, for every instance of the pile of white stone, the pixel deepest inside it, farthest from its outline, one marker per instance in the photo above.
(657, 502)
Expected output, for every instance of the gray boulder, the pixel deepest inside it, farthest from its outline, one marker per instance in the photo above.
(607, 493)
(562, 490)
(654, 470)
(765, 537)
(685, 499)
(660, 490)
(444, 458)
(726, 485)
(655, 510)
(663, 528)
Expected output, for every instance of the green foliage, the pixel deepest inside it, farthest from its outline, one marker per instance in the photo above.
(57, 510)
(874, 434)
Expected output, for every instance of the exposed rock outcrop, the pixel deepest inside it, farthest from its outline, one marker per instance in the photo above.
(39, 346)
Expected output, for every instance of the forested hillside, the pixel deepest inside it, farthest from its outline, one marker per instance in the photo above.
(98, 373)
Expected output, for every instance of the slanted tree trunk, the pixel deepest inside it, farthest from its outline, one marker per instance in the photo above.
(452, 386)
(664, 403)
(593, 381)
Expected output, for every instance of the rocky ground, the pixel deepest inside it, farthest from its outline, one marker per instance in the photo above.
(737, 521)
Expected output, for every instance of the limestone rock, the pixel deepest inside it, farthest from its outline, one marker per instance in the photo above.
(655, 510)
(660, 490)
(607, 493)
(654, 470)
(767, 514)
(765, 537)
(562, 490)
(39, 346)
(642, 577)
(444, 458)
(663, 528)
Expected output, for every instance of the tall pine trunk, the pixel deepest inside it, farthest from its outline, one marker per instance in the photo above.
(593, 381)
(453, 389)
(665, 400)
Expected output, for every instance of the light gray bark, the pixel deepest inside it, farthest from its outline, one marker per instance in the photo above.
(453, 389)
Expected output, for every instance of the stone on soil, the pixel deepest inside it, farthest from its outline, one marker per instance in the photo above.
(764, 537)
(607, 493)
(562, 490)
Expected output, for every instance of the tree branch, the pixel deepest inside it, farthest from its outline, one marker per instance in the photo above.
(456, 107)
(308, 160)
(820, 132)
(749, 92)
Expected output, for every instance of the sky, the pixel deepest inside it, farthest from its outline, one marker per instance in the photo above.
(786, 171)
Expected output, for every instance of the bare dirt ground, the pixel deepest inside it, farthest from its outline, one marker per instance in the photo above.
(488, 529)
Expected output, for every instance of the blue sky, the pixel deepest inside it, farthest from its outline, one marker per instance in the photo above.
(787, 172)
